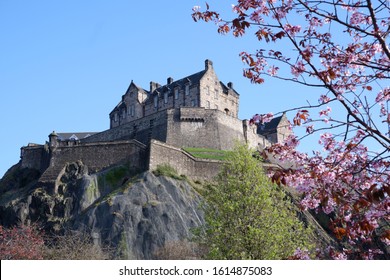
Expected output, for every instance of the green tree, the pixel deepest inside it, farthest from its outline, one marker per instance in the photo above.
(249, 217)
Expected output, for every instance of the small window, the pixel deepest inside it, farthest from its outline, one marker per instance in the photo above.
(165, 97)
(116, 117)
(216, 93)
(132, 110)
(187, 89)
(176, 93)
(155, 101)
(207, 104)
(208, 90)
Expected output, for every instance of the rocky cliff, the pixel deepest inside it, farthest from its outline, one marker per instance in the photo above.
(134, 213)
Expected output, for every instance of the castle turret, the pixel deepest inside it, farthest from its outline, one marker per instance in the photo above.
(53, 139)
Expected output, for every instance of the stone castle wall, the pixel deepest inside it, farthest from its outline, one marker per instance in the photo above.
(95, 156)
(149, 141)
(186, 164)
(143, 130)
(35, 157)
(185, 127)
(183, 162)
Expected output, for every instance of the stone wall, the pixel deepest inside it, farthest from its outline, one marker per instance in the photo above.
(35, 157)
(96, 156)
(184, 163)
(142, 130)
(186, 127)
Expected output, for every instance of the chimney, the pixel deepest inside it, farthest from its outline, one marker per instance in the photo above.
(208, 64)
(154, 86)
(169, 80)
(230, 85)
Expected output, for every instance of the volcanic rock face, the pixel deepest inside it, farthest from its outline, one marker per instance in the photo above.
(135, 214)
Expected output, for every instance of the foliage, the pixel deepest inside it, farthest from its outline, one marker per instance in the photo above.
(168, 171)
(249, 217)
(116, 175)
(341, 48)
(206, 153)
(21, 243)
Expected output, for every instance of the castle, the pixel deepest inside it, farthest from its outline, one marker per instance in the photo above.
(149, 127)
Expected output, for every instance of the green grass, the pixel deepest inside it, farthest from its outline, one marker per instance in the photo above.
(207, 153)
(167, 170)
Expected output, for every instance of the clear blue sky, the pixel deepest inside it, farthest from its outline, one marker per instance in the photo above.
(65, 64)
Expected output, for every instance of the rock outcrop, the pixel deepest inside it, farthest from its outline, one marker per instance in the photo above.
(136, 214)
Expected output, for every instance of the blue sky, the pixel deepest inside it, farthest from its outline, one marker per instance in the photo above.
(64, 65)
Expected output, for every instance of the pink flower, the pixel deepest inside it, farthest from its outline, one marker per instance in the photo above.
(325, 112)
(323, 99)
(292, 29)
(298, 69)
(273, 71)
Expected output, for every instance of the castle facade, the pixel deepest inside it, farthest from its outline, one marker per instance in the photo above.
(149, 127)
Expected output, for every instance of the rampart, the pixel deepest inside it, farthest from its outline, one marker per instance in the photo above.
(186, 164)
(185, 127)
(143, 130)
(146, 143)
(183, 162)
(35, 157)
(96, 157)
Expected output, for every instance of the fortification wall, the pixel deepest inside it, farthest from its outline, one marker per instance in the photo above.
(200, 127)
(186, 127)
(35, 157)
(142, 130)
(96, 156)
(184, 163)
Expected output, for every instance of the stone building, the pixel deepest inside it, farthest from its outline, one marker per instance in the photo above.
(150, 127)
(202, 89)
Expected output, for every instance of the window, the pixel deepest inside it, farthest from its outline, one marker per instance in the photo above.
(165, 97)
(176, 93)
(216, 93)
(155, 101)
(187, 89)
(116, 117)
(207, 104)
(132, 110)
(208, 90)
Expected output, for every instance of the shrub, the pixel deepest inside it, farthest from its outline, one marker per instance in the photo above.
(21, 243)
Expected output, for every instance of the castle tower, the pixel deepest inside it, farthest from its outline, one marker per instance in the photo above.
(53, 139)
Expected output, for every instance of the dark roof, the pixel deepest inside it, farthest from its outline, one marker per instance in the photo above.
(269, 127)
(226, 89)
(194, 79)
(65, 136)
